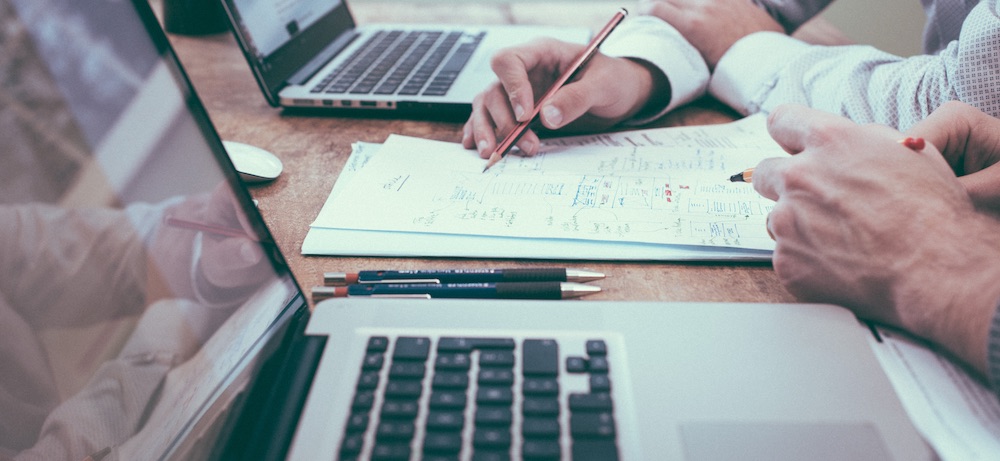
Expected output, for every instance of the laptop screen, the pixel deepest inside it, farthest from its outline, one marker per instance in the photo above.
(272, 23)
(139, 281)
(305, 33)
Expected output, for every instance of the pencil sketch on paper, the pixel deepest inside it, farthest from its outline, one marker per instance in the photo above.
(639, 193)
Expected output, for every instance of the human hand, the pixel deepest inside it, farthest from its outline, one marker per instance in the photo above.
(969, 140)
(209, 227)
(608, 90)
(890, 233)
(712, 26)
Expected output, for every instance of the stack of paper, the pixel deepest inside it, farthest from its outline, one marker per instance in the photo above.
(658, 194)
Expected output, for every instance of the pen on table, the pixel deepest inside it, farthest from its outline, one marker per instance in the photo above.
(576, 66)
(212, 229)
(462, 275)
(501, 290)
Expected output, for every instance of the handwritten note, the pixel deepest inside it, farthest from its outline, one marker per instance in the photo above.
(667, 187)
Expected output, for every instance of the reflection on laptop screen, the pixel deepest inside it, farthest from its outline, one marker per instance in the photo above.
(135, 287)
(266, 33)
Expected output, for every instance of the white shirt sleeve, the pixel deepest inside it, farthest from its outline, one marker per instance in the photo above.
(764, 70)
(649, 39)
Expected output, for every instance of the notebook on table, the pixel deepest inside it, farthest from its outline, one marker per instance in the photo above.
(311, 54)
(128, 335)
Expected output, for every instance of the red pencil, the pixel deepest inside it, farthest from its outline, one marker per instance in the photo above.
(197, 226)
(577, 65)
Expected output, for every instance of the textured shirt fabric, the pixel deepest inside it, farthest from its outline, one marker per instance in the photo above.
(764, 70)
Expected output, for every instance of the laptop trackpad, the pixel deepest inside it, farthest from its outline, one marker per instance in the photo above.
(723, 441)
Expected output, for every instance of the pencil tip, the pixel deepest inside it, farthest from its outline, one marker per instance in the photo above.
(738, 177)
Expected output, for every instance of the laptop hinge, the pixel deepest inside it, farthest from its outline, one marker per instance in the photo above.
(322, 58)
(272, 409)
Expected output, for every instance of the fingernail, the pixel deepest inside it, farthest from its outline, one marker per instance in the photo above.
(553, 117)
(532, 148)
(482, 146)
(518, 111)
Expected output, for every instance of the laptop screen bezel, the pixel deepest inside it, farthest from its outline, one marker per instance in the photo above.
(274, 341)
(273, 71)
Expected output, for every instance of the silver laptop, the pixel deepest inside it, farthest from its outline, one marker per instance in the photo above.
(311, 54)
(147, 313)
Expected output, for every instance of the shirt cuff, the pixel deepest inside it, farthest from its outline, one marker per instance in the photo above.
(650, 39)
(749, 69)
(993, 353)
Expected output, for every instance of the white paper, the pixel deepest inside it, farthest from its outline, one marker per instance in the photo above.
(708, 154)
(956, 414)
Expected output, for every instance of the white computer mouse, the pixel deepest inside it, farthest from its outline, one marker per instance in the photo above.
(253, 163)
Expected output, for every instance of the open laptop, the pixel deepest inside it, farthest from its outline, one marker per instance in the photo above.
(147, 313)
(311, 54)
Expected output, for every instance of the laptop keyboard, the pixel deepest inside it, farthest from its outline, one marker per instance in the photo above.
(480, 399)
(402, 62)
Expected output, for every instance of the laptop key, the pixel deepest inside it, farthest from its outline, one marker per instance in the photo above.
(496, 376)
(541, 449)
(378, 344)
(540, 406)
(491, 438)
(541, 357)
(540, 427)
(494, 396)
(586, 424)
(397, 430)
(450, 380)
(445, 420)
(450, 361)
(396, 409)
(357, 422)
(594, 449)
(368, 380)
(438, 442)
(391, 451)
(494, 416)
(590, 402)
(408, 348)
(491, 455)
(407, 370)
(540, 386)
(496, 358)
(447, 400)
(600, 383)
(352, 444)
(403, 389)
(596, 347)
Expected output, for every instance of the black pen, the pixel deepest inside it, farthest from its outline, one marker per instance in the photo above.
(546, 274)
(502, 290)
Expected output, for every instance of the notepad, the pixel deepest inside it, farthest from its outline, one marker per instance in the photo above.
(658, 194)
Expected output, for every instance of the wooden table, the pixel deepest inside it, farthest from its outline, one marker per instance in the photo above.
(314, 149)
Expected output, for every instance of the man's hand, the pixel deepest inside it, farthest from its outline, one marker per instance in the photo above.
(712, 26)
(607, 91)
(867, 223)
(970, 142)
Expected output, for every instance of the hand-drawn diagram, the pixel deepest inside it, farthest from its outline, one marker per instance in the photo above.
(642, 193)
